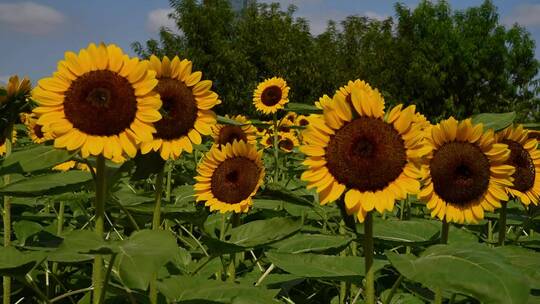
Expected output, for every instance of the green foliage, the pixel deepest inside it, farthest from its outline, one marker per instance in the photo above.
(446, 62)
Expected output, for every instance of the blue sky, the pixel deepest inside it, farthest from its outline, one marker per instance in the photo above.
(35, 34)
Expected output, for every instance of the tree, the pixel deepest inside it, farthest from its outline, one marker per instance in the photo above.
(446, 62)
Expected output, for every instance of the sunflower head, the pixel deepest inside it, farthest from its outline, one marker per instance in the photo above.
(99, 101)
(287, 141)
(525, 157)
(16, 89)
(301, 121)
(186, 111)
(465, 172)
(271, 95)
(267, 140)
(229, 177)
(37, 133)
(244, 131)
(355, 148)
(533, 134)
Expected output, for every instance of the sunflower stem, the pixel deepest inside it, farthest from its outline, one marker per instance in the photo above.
(490, 233)
(170, 166)
(156, 223)
(235, 222)
(368, 257)
(7, 217)
(276, 151)
(438, 296)
(97, 276)
(502, 223)
(395, 286)
(444, 231)
(59, 229)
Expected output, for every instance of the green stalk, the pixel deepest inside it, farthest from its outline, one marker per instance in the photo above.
(438, 296)
(490, 233)
(276, 151)
(7, 218)
(156, 223)
(368, 256)
(502, 223)
(444, 232)
(235, 222)
(59, 229)
(97, 275)
(390, 295)
(107, 277)
(170, 166)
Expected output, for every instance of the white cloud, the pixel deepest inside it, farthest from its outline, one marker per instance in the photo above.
(375, 16)
(160, 18)
(525, 15)
(30, 17)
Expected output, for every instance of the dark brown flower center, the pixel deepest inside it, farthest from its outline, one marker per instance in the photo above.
(235, 179)
(366, 154)
(460, 173)
(179, 109)
(303, 122)
(525, 172)
(286, 144)
(228, 134)
(38, 132)
(271, 96)
(100, 103)
(535, 135)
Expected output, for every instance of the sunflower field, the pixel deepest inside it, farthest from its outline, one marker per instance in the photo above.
(120, 184)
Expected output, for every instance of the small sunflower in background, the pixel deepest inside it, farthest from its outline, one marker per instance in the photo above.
(525, 157)
(186, 111)
(99, 101)
(71, 164)
(287, 142)
(3, 142)
(16, 89)
(285, 125)
(37, 133)
(291, 117)
(271, 95)
(229, 177)
(465, 173)
(301, 121)
(534, 134)
(353, 149)
(267, 140)
(225, 134)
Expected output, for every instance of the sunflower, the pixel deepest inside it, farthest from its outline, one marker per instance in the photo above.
(229, 177)
(287, 141)
(271, 95)
(16, 89)
(267, 140)
(65, 166)
(534, 134)
(3, 142)
(301, 121)
(37, 133)
(291, 117)
(99, 101)
(224, 134)
(353, 148)
(285, 125)
(465, 172)
(187, 103)
(525, 157)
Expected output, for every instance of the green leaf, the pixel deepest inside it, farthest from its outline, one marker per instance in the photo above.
(42, 184)
(35, 158)
(262, 232)
(14, 262)
(528, 261)
(413, 231)
(532, 125)
(201, 290)
(126, 197)
(470, 269)
(275, 190)
(310, 265)
(495, 121)
(143, 254)
(75, 247)
(227, 121)
(300, 243)
(25, 229)
(302, 108)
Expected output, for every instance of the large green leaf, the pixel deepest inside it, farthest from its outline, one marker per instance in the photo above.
(25, 229)
(262, 232)
(14, 262)
(470, 269)
(42, 184)
(143, 254)
(528, 261)
(36, 158)
(495, 121)
(413, 231)
(300, 243)
(311, 265)
(76, 247)
(227, 121)
(187, 289)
